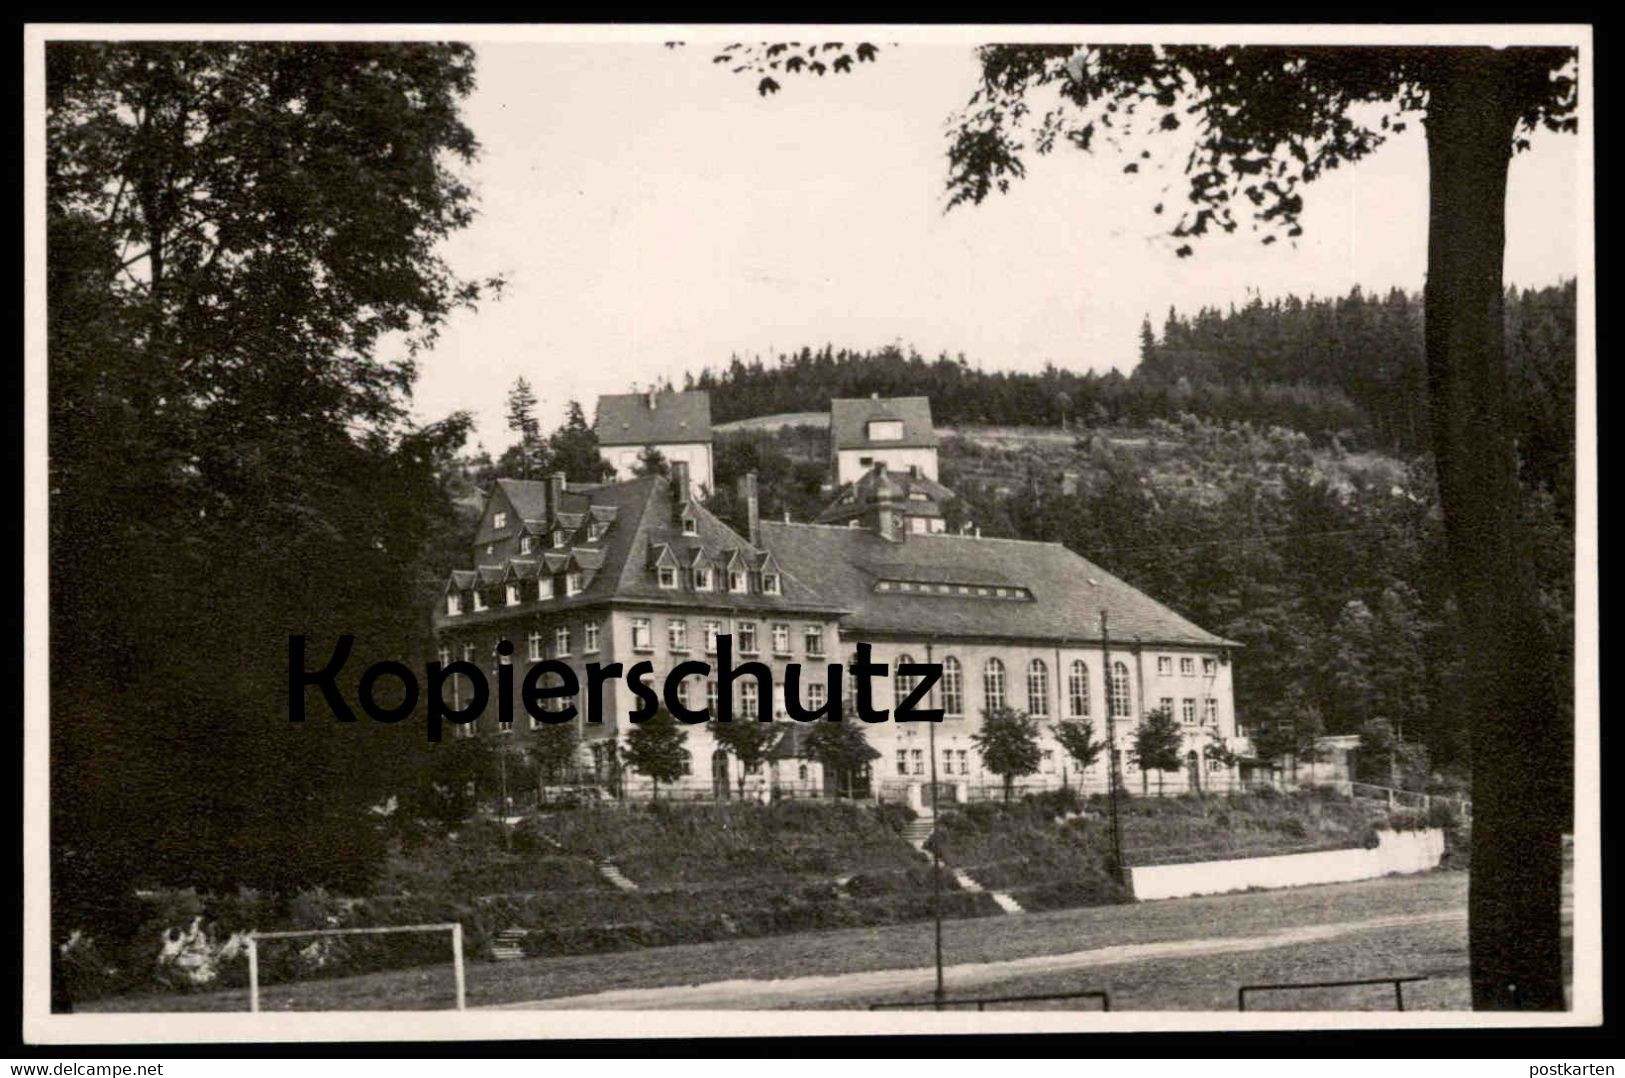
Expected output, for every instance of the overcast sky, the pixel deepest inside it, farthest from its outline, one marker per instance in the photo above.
(654, 215)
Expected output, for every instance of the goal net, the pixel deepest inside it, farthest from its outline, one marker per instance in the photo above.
(405, 954)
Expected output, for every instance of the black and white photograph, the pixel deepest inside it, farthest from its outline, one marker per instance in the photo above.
(596, 531)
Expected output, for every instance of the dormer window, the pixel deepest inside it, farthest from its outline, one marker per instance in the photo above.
(490, 548)
(668, 576)
(737, 581)
(702, 579)
(479, 600)
(572, 582)
(527, 543)
(558, 537)
(454, 604)
(596, 531)
(499, 521)
(691, 526)
(513, 594)
(885, 430)
(770, 583)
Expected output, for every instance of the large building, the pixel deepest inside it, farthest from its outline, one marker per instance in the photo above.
(893, 433)
(640, 570)
(677, 424)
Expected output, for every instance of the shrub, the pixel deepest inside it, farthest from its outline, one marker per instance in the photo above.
(895, 815)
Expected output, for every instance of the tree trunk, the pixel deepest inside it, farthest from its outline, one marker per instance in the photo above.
(1521, 748)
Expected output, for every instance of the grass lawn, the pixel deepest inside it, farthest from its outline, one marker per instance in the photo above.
(897, 946)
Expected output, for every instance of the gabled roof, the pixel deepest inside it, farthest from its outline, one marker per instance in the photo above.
(849, 422)
(619, 568)
(1067, 591)
(628, 419)
(897, 489)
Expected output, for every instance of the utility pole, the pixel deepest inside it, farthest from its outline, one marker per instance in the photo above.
(1112, 780)
(936, 854)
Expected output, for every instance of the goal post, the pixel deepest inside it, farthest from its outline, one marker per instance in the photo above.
(254, 938)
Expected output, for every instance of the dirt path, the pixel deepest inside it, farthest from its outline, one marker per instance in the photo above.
(762, 994)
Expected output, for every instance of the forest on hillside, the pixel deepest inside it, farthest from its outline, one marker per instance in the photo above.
(1346, 368)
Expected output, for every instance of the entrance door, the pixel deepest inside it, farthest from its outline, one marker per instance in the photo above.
(719, 775)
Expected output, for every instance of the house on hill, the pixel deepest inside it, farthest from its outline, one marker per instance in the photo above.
(908, 500)
(676, 423)
(893, 432)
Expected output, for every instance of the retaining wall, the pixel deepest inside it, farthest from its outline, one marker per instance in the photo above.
(1396, 851)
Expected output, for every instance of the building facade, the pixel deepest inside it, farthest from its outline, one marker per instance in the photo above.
(893, 433)
(639, 570)
(677, 424)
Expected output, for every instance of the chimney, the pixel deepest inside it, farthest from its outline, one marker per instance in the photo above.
(747, 497)
(555, 492)
(649, 399)
(679, 482)
(888, 523)
(914, 471)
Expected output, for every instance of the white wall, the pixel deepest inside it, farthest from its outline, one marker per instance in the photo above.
(849, 464)
(624, 459)
(1397, 851)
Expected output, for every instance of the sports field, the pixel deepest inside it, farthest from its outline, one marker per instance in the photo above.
(1179, 954)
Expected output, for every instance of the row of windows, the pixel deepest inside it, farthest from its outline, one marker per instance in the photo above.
(746, 641)
(1187, 666)
(981, 591)
(541, 589)
(994, 687)
(557, 538)
(704, 578)
(1187, 710)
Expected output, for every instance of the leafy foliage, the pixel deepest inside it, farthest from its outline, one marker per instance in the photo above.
(237, 234)
(654, 748)
(1008, 743)
(1158, 741)
(1077, 738)
(749, 741)
(842, 748)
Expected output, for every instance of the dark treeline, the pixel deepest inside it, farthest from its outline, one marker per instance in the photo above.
(1349, 368)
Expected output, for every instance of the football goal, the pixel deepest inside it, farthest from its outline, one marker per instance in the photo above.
(256, 938)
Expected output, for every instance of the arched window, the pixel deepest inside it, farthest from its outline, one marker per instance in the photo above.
(953, 687)
(1037, 688)
(1122, 702)
(993, 686)
(902, 685)
(1077, 689)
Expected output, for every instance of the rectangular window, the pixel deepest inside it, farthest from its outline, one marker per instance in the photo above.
(527, 543)
(781, 638)
(668, 577)
(919, 761)
(702, 579)
(572, 583)
(1210, 667)
(711, 697)
(454, 604)
(691, 526)
(817, 696)
(964, 762)
(677, 634)
(1165, 665)
(535, 642)
(711, 629)
(749, 706)
(746, 631)
(561, 640)
(642, 635)
(885, 430)
(479, 600)
(812, 638)
(499, 521)
(596, 532)
(513, 594)
(770, 583)
(902, 761)
(1210, 709)
(1167, 704)
(546, 586)
(589, 637)
(1187, 711)
(1187, 666)
(737, 581)
(463, 729)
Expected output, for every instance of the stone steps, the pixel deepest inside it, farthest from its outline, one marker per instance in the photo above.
(615, 876)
